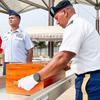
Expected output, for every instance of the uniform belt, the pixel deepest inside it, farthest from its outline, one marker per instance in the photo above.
(6, 62)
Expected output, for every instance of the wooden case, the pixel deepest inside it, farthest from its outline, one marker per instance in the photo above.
(16, 71)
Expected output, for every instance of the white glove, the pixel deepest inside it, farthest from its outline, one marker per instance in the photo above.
(27, 82)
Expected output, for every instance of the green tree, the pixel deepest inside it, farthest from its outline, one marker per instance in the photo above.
(40, 45)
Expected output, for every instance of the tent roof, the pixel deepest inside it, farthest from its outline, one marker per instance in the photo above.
(21, 5)
(95, 3)
(26, 5)
(47, 33)
(90, 2)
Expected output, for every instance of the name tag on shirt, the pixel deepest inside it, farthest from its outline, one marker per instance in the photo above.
(19, 36)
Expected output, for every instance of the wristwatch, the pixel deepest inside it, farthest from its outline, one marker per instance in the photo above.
(37, 77)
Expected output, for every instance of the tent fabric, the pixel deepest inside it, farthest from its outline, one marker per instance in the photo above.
(45, 33)
(89, 2)
(26, 5)
(21, 5)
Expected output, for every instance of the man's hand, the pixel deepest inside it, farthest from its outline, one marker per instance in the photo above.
(67, 67)
(27, 82)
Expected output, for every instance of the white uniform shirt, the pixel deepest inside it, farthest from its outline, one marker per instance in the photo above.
(15, 45)
(82, 39)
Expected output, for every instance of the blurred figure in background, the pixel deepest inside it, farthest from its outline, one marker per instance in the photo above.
(0, 45)
(1, 52)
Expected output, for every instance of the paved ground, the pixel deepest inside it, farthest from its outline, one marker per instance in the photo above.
(68, 95)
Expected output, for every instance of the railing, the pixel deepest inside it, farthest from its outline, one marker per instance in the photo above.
(55, 90)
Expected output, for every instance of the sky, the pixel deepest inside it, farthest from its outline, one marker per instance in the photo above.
(39, 17)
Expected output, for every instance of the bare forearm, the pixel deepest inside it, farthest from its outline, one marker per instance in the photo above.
(51, 69)
(57, 64)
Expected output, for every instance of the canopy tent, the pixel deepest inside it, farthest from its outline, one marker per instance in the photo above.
(26, 5)
(47, 33)
(96, 4)
(22, 5)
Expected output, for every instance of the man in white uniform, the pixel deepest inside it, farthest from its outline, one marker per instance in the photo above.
(81, 46)
(17, 44)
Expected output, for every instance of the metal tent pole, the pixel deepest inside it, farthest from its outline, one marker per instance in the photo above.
(97, 21)
(97, 7)
(50, 23)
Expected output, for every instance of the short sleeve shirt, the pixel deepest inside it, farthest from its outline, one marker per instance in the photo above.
(15, 45)
(82, 39)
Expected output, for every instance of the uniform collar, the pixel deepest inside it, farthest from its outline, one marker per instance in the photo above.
(72, 18)
(17, 30)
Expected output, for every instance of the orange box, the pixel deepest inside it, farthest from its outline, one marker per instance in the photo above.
(16, 71)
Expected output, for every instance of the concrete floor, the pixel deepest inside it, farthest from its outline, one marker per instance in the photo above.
(68, 94)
